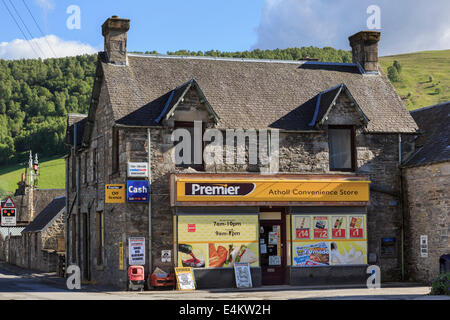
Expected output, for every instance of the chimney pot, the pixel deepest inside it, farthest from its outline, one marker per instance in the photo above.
(365, 49)
(114, 30)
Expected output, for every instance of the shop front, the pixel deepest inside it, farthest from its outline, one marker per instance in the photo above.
(291, 229)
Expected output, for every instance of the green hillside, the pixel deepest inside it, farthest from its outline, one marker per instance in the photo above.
(52, 176)
(415, 86)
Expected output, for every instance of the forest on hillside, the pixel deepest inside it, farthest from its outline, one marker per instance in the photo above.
(37, 95)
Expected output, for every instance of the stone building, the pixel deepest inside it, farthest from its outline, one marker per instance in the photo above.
(427, 181)
(39, 245)
(321, 201)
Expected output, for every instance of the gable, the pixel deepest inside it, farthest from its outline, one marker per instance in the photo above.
(340, 109)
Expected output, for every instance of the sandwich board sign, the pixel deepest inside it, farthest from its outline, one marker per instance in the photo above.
(242, 275)
(8, 212)
(185, 279)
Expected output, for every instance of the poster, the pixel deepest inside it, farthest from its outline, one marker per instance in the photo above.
(320, 224)
(338, 227)
(356, 228)
(302, 227)
(311, 254)
(348, 252)
(217, 241)
(185, 279)
(136, 247)
(336, 240)
(243, 275)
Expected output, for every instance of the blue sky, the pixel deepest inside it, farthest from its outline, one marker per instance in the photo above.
(232, 25)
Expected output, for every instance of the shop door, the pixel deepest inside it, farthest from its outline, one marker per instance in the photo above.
(272, 250)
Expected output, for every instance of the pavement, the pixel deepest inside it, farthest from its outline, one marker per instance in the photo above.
(21, 284)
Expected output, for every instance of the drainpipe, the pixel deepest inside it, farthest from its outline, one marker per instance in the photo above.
(150, 260)
(402, 200)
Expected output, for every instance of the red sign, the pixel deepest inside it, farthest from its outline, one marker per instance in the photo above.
(320, 233)
(302, 234)
(191, 227)
(338, 233)
(356, 233)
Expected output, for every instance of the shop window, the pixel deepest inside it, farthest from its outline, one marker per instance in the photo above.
(100, 237)
(189, 126)
(342, 148)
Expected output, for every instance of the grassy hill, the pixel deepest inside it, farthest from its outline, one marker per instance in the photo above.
(415, 86)
(52, 176)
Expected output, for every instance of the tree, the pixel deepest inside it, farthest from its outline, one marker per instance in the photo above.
(393, 74)
(397, 66)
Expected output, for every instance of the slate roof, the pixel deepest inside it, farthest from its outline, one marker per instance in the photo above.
(246, 93)
(46, 216)
(81, 121)
(434, 143)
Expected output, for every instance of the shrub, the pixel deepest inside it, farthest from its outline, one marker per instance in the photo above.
(393, 74)
(441, 285)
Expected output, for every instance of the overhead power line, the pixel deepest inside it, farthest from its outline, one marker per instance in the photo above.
(40, 30)
(18, 25)
(28, 30)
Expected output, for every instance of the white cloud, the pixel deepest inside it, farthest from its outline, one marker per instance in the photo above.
(406, 26)
(45, 47)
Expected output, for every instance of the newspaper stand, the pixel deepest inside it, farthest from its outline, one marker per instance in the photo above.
(136, 278)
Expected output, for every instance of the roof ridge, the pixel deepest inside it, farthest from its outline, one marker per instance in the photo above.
(300, 62)
(430, 107)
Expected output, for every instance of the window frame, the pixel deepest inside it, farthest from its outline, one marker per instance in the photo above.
(352, 147)
(191, 124)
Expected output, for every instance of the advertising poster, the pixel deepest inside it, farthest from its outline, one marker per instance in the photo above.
(345, 244)
(302, 227)
(311, 254)
(136, 251)
(356, 228)
(217, 241)
(338, 230)
(320, 224)
(348, 252)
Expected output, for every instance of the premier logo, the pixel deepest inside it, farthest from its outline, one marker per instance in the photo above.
(219, 189)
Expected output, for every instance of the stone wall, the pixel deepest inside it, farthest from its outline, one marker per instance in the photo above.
(428, 189)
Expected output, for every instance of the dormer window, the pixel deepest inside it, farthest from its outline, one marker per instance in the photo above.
(342, 148)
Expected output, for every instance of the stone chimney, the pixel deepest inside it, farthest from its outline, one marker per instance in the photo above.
(365, 49)
(114, 31)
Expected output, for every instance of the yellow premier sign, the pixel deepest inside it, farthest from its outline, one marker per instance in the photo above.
(203, 190)
(115, 193)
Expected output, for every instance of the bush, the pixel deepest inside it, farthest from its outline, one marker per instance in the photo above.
(393, 74)
(441, 285)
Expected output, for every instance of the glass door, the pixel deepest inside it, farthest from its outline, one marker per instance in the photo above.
(272, 251)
